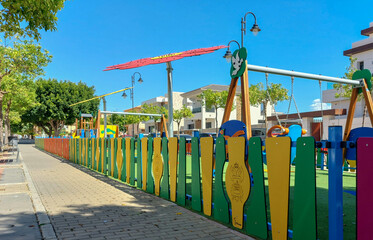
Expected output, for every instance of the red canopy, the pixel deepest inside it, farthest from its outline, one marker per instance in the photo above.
(164, 58)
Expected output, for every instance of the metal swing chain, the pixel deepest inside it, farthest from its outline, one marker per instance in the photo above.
(270, 99)
(295, 103)
(322, 110)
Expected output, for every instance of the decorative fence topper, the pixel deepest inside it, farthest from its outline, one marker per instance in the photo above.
(235, 194)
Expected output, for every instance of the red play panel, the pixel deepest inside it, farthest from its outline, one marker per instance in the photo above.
(164, 58)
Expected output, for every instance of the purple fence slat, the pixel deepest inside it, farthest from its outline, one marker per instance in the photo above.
(364, 184)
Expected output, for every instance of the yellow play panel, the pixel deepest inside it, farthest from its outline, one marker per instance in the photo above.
(144, 153)
(278, 166)
(237, 179)
(207, 151)
(157, 165)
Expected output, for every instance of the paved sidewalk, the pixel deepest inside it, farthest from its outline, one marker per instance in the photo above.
(86, 205)
(17, 214)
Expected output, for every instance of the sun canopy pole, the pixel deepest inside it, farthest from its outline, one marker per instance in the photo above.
(170, 100)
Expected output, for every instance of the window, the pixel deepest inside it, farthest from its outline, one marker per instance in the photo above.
(208, 124)
(190, 126)
(361, 65)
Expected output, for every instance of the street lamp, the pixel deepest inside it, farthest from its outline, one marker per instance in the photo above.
(124, 95)
(228, 53)
(254, 29)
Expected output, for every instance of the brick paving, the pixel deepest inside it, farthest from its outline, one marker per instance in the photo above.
(83, 204)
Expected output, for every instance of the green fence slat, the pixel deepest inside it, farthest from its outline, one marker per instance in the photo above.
(100, 156)
(133, 172)
(123, 176)
(106, 156)
(181, 178)
(196, 176)
(221, 206)
(255, 208)
(115, 158)
(150, 180)
(90, 153)
(109, 165)
(165, 183)
(304, 210)
(139, 164)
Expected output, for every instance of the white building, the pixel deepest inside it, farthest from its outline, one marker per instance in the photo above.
(363, 52)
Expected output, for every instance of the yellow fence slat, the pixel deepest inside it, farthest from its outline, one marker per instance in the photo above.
(157, 165)
(172, 158)
(144, 152)
(112, 155)
(207, 151)
(128, 159)
(278, 167)
(86, 151)
(237, 179)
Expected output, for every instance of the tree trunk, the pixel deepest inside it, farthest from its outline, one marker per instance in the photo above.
(7, 121)
(178, 128)
(47, 131)
(1, 120)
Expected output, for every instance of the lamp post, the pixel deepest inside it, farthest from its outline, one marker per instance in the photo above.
(228, 53)
(124, 95)
(254, 29)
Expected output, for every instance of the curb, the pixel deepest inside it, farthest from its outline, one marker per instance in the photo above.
(45, 224)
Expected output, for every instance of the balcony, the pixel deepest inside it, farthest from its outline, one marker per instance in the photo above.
(196, 110)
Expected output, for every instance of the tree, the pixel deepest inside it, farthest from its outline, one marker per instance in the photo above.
(23, 61)
(345, 90)
(28, 17)
(119, 120)
(179, 114)
(215, 100)
(260, 96)
(53, 98)
(154, 109)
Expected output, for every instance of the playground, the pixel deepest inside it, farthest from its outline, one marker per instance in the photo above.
(287, 186)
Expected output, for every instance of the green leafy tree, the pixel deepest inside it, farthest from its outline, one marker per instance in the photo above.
(180, 114)
(154, 109)
(28, 17)
(23, 61)
(260, 96)
(119, 120)
(215, 100)
(53, 109)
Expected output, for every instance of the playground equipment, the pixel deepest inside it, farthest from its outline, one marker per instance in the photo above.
(168, 58)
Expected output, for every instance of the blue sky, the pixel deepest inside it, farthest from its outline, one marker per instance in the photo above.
(307, 36)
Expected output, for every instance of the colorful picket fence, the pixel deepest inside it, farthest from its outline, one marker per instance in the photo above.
(232, 194)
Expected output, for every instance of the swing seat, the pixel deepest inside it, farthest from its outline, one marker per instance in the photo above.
(354, 135)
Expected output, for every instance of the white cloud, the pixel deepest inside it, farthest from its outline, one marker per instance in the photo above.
(316, 105)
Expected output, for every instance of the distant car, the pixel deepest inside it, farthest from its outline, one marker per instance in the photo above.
(258, 132)
(187, 137)
(207, 135)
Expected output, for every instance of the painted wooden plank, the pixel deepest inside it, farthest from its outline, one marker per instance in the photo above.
(106, 159)
(132, 165)
(128, 159)
(119, 158)
(221, 206)
(87, 152)
(196, 176)
(207, 151)
(144, 157)
(102, 154)
(123, 171)
(115, 175)
(112, 156)
(93, 146)
(304, 205)
(181, 179)
(256, 211)
(364, 183)
(157, 165)
(82, 151)
(139, 164)
(150, 180)
(165, 186)
(237, 179)
(173, 146)
(278, 167)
